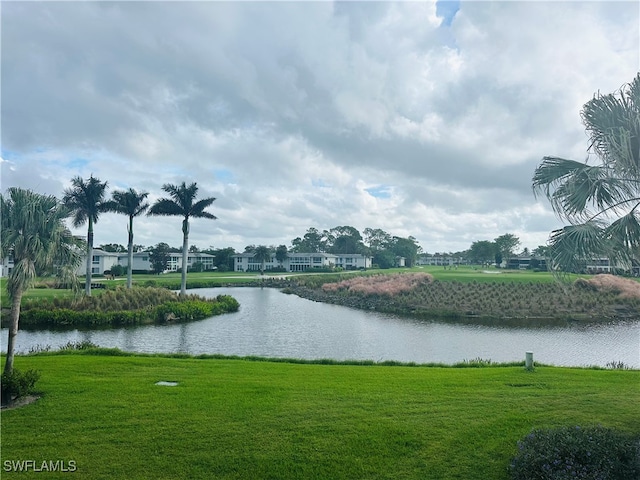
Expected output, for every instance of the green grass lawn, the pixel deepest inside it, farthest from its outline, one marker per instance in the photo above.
(480, 274)
(240, 419)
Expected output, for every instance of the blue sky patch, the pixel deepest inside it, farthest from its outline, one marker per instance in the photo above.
(320, 183)
(381, 191)
(223, 175)
(447, 10)
(77, 163)
(9, 155)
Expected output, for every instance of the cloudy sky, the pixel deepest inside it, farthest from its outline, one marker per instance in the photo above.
(420, 118)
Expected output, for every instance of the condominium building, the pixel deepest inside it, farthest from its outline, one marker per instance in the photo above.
(300, 262)
(102, 261)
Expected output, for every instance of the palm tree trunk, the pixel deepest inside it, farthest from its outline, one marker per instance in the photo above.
(130, 254)
(13, 330)
(87, 283)
(185, 247)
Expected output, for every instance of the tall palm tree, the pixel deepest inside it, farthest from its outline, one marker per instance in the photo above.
(86, 201)
(130, 203)
(183, 204)
(282, 252)
(601, 201)
(33, 230)
(262, 253)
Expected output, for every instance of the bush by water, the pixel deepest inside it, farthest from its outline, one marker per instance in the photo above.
(121, 306)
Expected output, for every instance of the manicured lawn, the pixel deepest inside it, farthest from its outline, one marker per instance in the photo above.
(491, 274)
(239, 419)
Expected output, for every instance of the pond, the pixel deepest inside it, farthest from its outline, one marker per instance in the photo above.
(272, 324)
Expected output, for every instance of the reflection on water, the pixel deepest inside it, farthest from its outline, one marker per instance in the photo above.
(272, 324)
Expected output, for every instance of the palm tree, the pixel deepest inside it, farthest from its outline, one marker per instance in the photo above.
(599, 201)
(33, 230)
(85, 201)
(262, 253)
(281, 254)
(130, 203)
(182, 204)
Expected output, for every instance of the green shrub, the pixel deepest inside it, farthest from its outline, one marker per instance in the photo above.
(593, 453)
(64, 316)
(18, 384)
(83, 345)
(193, 308)
(118, 270)
(196, 267)
(228, 303)
(121, 306)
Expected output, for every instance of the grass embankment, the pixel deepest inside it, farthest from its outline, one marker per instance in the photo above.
(421, 295)
(239, 419)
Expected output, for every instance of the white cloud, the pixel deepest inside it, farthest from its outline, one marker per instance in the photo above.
(310, 114)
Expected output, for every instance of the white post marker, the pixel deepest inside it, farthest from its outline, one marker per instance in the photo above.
(528, 360)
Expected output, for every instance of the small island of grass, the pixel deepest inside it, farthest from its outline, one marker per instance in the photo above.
(120, 306)
(603, 297)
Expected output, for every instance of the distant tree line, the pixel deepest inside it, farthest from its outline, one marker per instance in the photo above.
(384, 248)
(496, 251)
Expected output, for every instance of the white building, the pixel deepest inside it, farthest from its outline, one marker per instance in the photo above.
(103, 261)
(440, 260)
(300, 262)
(140, 261)
(100, 261)
(353, 261)
(7, 265)
(175, 261)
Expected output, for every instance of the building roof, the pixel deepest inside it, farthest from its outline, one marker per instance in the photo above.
(99, 251)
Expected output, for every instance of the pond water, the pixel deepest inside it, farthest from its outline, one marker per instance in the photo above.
(272, 324)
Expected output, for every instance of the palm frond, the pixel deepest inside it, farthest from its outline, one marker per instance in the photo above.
(33, 228)
(166, 207)
(613, 124)
(625, 232)
(86, 199)
(128, 202)
(570, 247)
(198, 208)
(590, 196)
(573, 188)
(182, 194)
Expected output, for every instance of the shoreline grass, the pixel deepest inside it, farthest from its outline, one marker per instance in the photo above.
(233, 418)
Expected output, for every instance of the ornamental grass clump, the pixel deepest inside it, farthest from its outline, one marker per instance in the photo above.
(589, 453)
(389, 285)
(623, 287)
